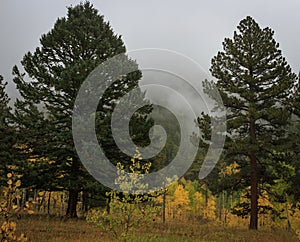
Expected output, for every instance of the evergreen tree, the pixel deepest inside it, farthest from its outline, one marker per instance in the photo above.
(296, 99)
(68, 53)
(254, 81)
(294, 133)
(7, 135)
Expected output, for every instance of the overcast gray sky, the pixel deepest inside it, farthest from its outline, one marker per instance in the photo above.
(194, 28)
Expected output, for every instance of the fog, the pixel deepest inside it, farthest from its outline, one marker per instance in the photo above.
(193, 28)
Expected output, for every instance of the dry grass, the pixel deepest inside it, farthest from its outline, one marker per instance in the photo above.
(43, 228)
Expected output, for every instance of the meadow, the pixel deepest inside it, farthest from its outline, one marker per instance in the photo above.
(54, 229)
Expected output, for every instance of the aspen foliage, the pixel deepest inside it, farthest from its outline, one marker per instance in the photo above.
(198, 207)
(180, 203)
(9, 210)
(295, 220)
(265, 209)
(185, 201)
(230, 169)
(210, 211)
(126, 211)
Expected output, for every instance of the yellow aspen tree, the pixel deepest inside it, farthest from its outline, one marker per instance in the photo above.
(199, 204)
(264, 203)
(210, 212)
(295, 218)
(181, 201)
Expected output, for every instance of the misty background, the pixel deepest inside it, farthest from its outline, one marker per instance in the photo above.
(193, 28)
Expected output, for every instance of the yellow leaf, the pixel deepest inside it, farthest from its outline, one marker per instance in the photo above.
(22, 237)
(18, 183)
(13, 224)
(30, 212)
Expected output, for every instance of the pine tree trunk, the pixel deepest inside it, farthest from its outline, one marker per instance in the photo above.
(254, 194)
(254, 181)
(72, 204)
(84, 201)
(48, 204)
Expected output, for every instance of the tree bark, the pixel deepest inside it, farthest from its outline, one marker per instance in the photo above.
(254, 180)
(254, 194)
(48, 204)
(72, 204)
(84, 201)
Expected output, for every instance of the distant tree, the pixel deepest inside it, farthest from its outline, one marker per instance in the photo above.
(168, 121)
(7, 134)
(75, 46)
(254, 81)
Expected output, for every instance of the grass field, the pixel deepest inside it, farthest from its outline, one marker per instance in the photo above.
(50, 229)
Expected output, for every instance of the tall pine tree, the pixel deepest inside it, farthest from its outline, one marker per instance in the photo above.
(68, 53)
(254, 81)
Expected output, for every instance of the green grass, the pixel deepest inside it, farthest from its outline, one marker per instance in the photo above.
(50, 229)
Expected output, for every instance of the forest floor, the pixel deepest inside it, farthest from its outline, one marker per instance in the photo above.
(50, 229)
